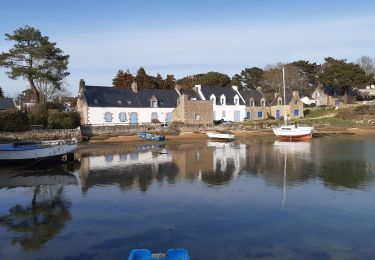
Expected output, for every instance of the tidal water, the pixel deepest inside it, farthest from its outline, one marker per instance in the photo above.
(251, 199)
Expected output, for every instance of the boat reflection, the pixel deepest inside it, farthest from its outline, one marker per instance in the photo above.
(47, 213)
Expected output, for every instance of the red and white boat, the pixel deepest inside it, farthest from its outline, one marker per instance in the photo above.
(292, 132)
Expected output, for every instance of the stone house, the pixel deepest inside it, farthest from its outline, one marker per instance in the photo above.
(256, 104)
(330, 96)
(7, 104)
(293, 107)
(228, 104)
(115, 106)
(193, 111)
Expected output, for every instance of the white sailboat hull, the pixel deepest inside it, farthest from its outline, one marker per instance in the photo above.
(292, 133)
(220, 136)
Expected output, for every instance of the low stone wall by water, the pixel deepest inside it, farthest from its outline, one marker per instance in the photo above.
(45, 134)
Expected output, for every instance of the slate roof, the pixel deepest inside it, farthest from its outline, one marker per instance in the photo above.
(218, 91)
(190, 93)
(337, 92)
(98, 96)
(288, 99)
(7, 103)
(252, 93)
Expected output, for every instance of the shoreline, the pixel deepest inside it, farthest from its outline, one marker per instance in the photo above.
(190, 136)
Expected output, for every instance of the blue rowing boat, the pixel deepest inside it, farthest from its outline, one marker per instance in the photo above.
(152, 137)
(172, 254)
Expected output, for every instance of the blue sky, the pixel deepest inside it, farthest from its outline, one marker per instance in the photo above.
(187, 37)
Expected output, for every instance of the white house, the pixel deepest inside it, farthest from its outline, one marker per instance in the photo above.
(307, 101)
(115, 106)
(228, 105)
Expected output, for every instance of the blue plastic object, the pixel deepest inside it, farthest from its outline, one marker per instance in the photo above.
(172, 254)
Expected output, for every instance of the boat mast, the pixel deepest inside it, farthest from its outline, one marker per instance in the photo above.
(285, 116)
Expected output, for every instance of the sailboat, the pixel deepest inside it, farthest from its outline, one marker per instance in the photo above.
(292, 132)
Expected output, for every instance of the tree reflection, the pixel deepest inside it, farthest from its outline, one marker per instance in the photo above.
(41, 221)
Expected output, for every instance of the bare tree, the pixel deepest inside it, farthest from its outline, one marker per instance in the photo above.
(367, 64)
(49, 93)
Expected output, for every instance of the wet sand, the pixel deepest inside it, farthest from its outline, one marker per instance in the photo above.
(188, 136)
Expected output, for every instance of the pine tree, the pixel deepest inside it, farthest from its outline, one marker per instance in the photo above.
(123, 79)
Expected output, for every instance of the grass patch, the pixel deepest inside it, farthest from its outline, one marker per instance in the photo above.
(317, 113)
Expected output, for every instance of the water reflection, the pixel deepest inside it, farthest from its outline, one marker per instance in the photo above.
(46, 214)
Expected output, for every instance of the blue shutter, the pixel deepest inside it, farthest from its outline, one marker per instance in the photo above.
(247, 115)
(296, 112)
(260, 114)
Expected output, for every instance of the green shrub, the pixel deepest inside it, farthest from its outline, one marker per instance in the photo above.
(64, 120)
(13, 121)
(365, 110)
(38, 119)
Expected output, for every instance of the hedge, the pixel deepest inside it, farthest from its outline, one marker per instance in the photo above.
(64, 120)
(38, 119)
(13, 121)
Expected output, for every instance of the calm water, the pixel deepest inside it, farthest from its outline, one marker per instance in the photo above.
(250, 199)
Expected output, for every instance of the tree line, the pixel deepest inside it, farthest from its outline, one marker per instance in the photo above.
(301, 75)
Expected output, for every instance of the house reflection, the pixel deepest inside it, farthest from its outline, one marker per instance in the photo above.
(213, 163)
(36, 223)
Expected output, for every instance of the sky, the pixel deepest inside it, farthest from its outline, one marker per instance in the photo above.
(189, 37)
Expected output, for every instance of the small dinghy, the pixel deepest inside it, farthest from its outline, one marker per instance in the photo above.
(172, 254)
(152, 137)
(30, 152)
(225, 136)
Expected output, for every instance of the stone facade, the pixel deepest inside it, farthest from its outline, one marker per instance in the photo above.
(82, 106)
(294, 107)
(257, 112)
(193, 111)
(328, 96)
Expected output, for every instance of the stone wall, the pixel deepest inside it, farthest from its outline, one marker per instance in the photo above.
(46, 134)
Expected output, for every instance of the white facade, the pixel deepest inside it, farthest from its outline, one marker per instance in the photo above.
(234, 113)
(135, 115)
(307, 101)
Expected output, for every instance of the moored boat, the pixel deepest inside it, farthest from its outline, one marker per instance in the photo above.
(32, 152)
(172, 254)
(220, 136)
(152, 137)
(293, 133)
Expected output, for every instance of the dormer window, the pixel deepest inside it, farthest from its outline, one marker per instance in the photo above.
(252, 102)
(119, 102)
(263, 102)
(222, 100)
(213, 98)
(129, 102)
(153, 101)
(295, 101)
(96, 102)
(279, 101)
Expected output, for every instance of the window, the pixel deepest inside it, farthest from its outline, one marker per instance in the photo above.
(279, 101)
(119, 102)
(260, 114)
(295, 101)
(296, 112)
(96, 102)
(263, 102)
(222, 100)
(236, 101)
(223, 114)
(247, 115)
(109, 158)
(108, 117)
(252, 102)
(213, 99)
(154, 116)
(154, 103)
(197, 117)
(129, 102)
(122, 116)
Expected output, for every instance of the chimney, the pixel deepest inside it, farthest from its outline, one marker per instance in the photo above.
(197, 88)
(295, 94)
(134, 87)
(82, 85)
(259, 89)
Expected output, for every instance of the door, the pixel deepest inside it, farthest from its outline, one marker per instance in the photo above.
(237, 116)
(277, 114)
(248, 115)
(169, 118)
(133, 118)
